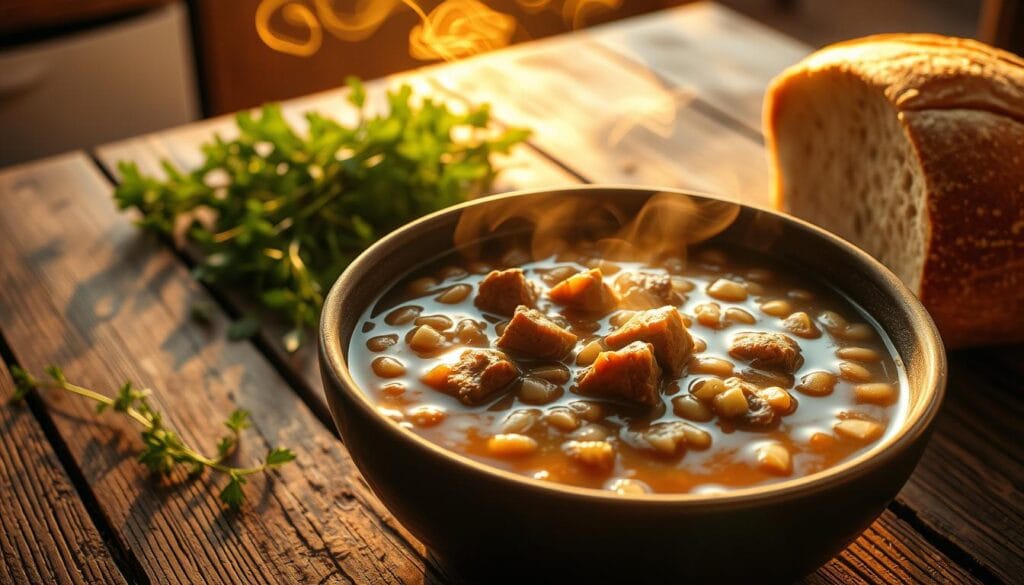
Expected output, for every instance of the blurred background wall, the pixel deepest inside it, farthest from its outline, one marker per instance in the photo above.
(75, 73)
(75, 79)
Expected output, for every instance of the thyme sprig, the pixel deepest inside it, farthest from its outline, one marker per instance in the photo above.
(163, 449)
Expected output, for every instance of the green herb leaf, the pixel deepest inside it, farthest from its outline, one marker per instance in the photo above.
(357, 94)
(279, 456)
(226, 445)
(163, 449)
(24, 383)
(280, 214)
(127, 396)
(238, 420)
(56, 373)
(232, 494)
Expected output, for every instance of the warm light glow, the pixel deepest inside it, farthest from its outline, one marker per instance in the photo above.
(665, 226)
(655, 112)
(364, 20)
(459, 28)
(574, 12)
(533, 6)
(452, 30)
(295, 14)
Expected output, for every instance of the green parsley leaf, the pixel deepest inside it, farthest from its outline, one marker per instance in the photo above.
(56, 373)
(279, 456)
(232, 494)
(24, 383)
(127, 397)
(238, 420)
(280, 213)
(357, 94)
(226, 446)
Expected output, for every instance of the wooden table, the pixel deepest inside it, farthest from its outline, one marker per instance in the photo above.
(668, 99)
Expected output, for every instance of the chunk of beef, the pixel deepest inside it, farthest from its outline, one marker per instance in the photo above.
(742, 405)
(531, 334)
(645, 290)
(586, 291)
(630, 373)
(638, 299)
(663, 328)
(669, 439)
(767, 351)
(767, 378)
(502, 291)
(478, 375)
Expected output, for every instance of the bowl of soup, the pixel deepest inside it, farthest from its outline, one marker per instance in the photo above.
(628, 385)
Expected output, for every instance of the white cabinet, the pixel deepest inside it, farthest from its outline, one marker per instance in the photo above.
(128, 77)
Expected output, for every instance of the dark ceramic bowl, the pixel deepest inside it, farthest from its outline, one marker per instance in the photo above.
(486, 525)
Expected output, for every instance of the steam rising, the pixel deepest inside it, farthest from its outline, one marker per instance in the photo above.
(662, 226)
(452, 30)
(459, 28)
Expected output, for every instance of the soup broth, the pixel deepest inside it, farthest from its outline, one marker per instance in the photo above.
(724, 370)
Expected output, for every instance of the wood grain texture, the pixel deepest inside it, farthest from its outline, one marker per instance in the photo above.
(968, 486)
(610, 121)
(46, 534)
(891, 551)
(83, 287)
(709, 49)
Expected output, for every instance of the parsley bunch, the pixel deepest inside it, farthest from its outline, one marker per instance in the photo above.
(283, 214)
(163, 449)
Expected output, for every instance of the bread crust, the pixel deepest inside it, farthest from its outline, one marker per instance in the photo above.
(973, 278)
(961, 106)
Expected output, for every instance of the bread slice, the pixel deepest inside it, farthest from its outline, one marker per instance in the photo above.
(912, 147)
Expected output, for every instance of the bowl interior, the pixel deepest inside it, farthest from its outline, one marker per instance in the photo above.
(819, 254)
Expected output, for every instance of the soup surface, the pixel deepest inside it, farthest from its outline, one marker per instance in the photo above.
(725, 370)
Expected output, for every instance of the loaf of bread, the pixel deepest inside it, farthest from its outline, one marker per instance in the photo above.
(912, 147)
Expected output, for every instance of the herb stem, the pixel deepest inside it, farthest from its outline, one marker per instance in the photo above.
(163, 447)
(96, 396)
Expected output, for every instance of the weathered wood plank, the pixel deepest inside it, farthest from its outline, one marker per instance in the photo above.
(968, 486)
(891, 551)
(83, 287)
(46, 534)
(611, 121)
(724, 57)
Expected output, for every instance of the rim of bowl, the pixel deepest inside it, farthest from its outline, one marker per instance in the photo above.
(917, 421)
